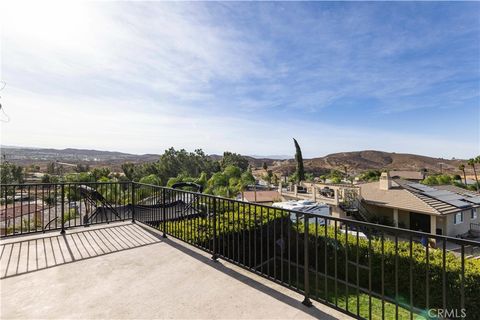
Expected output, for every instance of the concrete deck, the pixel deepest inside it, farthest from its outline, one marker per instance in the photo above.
(126, 271)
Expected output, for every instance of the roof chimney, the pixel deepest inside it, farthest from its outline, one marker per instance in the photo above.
(385, 181)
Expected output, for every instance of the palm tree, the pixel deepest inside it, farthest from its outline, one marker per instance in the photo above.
(462, 168)
(471, 162)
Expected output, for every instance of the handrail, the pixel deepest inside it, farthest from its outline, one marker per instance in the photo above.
(388, 229)
(272, 241)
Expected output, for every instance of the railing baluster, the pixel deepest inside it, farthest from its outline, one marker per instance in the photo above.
(336, 265)
(346, 267)
(383, 274)
(316, 257)
(325, 259)
(462, 283)
(62, 208)
(427, 278)
(411, 275)
(369, 276)
(164, 211)
(306, 280)
(396, 276)
(214, 251)
(226, 231)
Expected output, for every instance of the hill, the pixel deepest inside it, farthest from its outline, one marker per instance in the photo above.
(358, 161)
(355, 161)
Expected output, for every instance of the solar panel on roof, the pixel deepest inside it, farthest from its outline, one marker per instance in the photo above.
(458, 203)
(475, 200)
(440, 193)
(451, 197)
(445, 196)
(421, 187)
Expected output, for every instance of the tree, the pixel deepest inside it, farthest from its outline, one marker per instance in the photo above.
(300, 171)
(265, 166)
(47, 178)
(98, 173)
(345, 170)
(268, 176)
(336, 180)
(11, 173)
(462, 168)
(232, 172)
(51, 168)
(370, 175)
(151, 179)
(202, 180)
(234, 159)
(128, 169)
(82, 168)
(276, 180)
(471, 162)
(173, 162)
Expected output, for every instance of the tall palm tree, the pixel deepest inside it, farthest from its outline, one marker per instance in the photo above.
(462, 168)
(471, 162)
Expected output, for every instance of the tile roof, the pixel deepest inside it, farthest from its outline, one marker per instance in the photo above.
(19, 210)
(396, 197)
(440, 206)
(409, 175)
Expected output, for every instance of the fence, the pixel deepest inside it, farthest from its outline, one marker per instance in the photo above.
(366, 270)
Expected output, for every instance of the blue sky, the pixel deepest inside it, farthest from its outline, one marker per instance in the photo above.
(246, 77)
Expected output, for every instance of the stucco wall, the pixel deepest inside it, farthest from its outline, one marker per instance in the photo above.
(456, 229)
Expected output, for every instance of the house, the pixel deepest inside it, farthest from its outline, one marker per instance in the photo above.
(266, 197)
(15, 214)
(444, 210)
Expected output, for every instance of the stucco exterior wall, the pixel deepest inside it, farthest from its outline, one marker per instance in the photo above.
(456, 229)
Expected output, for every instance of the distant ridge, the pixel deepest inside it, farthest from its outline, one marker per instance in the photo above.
(355, 161)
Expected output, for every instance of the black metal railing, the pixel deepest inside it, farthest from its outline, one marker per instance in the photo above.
(367, 270)
(33, 208)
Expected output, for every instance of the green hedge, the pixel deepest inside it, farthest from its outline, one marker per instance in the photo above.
(241, 225)
(418, 265)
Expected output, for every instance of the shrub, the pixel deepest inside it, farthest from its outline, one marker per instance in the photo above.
(240, 221)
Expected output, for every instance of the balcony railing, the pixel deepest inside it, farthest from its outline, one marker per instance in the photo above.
(366, 270)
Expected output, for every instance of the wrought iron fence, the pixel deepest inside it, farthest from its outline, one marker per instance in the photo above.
(30, 208)
(366, 270)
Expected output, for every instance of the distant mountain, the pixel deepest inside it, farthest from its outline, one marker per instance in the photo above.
(272, 157)
(355, 161)
(358, 161)
(39, 156)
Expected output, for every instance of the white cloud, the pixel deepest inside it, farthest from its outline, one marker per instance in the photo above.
(141, 77)
(113, 125)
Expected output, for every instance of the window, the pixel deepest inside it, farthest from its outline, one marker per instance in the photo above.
(474, 214)
(458, 218)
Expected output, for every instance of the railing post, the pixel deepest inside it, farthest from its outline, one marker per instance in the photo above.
(214, 256)
(164, 209)
(306, 278)
(133, 201)
(62, 209)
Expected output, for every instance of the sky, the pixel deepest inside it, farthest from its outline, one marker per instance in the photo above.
(141, 77)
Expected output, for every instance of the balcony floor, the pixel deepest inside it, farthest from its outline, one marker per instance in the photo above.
(127, 270)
